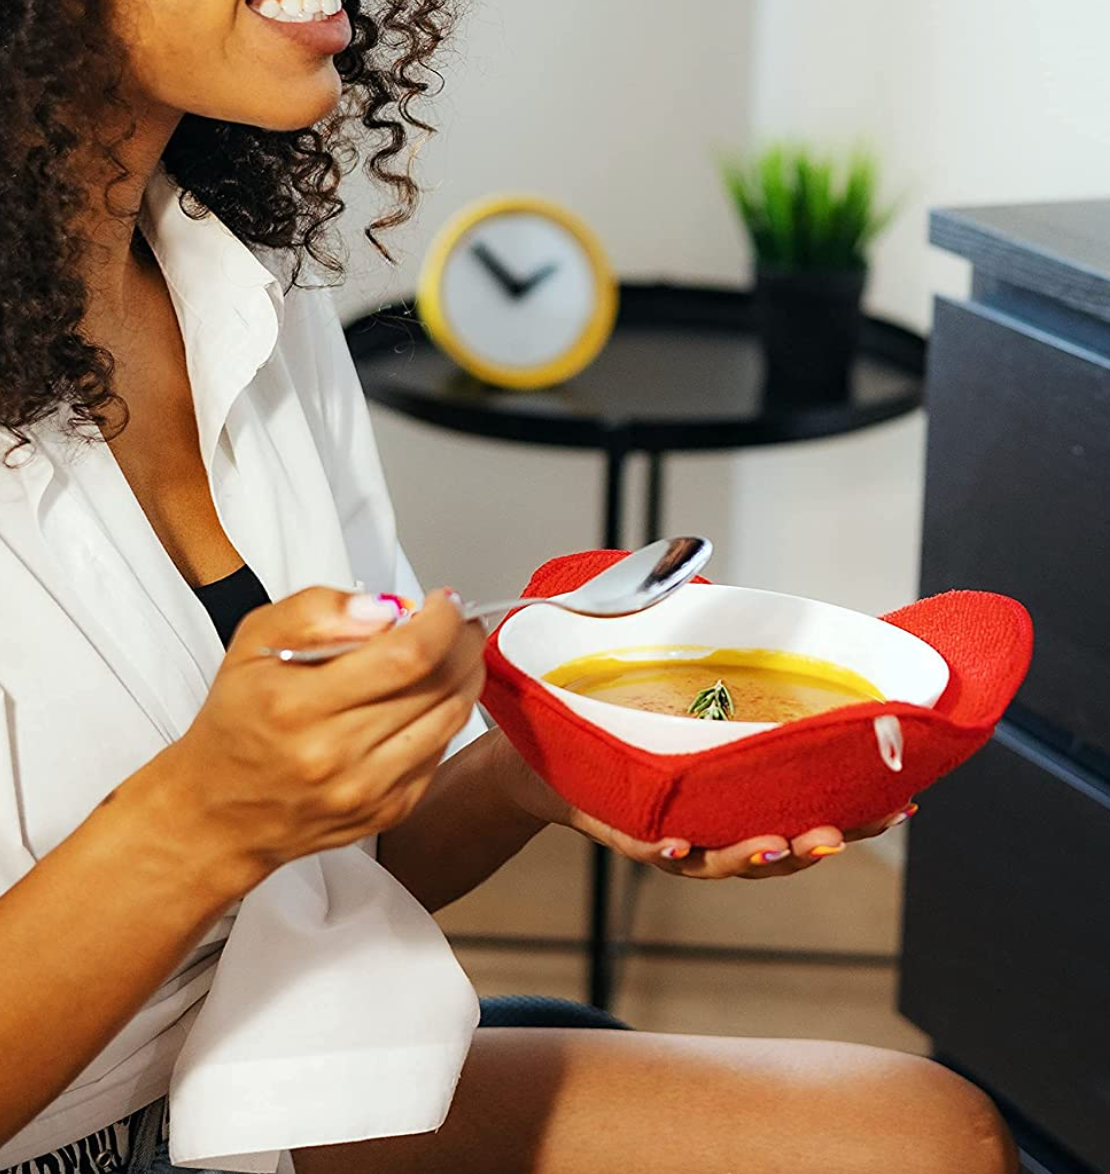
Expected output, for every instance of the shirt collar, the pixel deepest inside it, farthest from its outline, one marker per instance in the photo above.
(229, 304)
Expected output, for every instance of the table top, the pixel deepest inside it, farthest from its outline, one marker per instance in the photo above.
(683, 372)
(1060, 251)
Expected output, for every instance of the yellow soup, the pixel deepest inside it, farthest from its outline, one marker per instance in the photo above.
(764, 686)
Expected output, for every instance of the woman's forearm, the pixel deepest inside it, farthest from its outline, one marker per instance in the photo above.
(89, 934)
(465, 828)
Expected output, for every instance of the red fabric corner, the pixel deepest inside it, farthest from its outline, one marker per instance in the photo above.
(824, 770)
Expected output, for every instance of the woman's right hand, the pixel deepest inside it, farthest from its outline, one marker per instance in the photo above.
(285, 760)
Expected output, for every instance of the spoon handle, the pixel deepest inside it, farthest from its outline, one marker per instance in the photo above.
(482, 611)
(325, 652)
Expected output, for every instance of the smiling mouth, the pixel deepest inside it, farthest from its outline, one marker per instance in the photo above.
(296, 11)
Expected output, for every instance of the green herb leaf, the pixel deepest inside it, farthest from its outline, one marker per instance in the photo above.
(713, 704)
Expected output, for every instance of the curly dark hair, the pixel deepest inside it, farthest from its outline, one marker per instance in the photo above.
(277, 190)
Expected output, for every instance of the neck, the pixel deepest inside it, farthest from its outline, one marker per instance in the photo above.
(111, 266)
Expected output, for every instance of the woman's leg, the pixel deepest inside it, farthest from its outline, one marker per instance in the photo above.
(597, 1102)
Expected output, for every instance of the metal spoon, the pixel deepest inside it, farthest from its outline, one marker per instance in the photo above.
(633, 585)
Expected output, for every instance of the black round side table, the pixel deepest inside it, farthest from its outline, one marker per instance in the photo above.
(683, 372)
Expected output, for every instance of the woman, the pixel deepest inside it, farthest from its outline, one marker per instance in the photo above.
(186, 441)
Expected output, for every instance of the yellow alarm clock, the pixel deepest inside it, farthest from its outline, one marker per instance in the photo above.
(518, 292)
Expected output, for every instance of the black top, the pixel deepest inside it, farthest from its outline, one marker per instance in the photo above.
(683, 371)
(228, 600)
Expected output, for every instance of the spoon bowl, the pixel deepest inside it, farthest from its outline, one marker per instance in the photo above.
(631, 586)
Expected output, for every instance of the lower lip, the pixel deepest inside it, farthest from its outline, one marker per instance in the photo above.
(326, 37)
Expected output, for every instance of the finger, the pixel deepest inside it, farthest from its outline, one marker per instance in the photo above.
(713, 865)
(609, 837)
(356, 733)
(433, 650)
(869, 831)
(316, 615)
(818, 844)
(427, 737)
(750, 858)
(372, 725)
(435, 639)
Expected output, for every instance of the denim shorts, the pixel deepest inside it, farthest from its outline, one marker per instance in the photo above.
(160, 1164)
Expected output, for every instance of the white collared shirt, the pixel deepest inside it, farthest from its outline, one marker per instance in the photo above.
(327, 1007)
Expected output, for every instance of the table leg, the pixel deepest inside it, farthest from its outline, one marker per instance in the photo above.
(653, 531)
(653, 514)
(601, 943)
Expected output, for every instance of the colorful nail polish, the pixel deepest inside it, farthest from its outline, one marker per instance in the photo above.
(674, 853)
(761, 858)
(371, 609)
(903, 816)
(823, 850)
(405, 607)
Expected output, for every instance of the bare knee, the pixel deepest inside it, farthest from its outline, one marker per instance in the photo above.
(957, 1124)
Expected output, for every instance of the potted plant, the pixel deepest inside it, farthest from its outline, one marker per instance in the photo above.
(811, 223)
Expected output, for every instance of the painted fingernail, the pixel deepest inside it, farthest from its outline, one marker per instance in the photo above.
(374, 609)
(674, 853)
(903, 816)
(770, 857)
(454, 597)
(823, 850)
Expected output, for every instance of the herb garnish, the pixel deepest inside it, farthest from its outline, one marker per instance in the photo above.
(713, 704)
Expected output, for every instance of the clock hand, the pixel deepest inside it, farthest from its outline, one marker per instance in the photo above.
(538, 278)
(510, 284)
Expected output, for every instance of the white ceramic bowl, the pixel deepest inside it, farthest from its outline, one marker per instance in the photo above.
(703, 617)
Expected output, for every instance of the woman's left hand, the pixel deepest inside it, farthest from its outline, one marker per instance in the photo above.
(759, 858)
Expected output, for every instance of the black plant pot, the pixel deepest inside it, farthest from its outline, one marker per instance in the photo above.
(810, 325)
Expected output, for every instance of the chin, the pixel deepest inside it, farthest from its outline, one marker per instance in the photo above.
(299, 107)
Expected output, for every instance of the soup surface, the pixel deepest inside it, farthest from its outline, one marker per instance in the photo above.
(764, 686)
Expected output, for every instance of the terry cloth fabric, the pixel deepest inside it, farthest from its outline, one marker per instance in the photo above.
(823, 770)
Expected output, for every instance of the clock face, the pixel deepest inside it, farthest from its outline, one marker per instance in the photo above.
(520, 290)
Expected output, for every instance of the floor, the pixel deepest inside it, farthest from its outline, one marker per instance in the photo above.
(848, 903)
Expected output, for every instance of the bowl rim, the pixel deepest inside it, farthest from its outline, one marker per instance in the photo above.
(674, 721)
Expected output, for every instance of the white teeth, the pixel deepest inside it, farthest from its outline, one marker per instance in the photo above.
(296, 11)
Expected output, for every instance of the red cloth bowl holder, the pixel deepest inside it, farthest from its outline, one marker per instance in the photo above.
(823, 770)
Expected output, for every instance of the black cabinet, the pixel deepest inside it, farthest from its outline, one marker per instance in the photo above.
(1019, 498)
(1006, 958)
(1006, 967)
